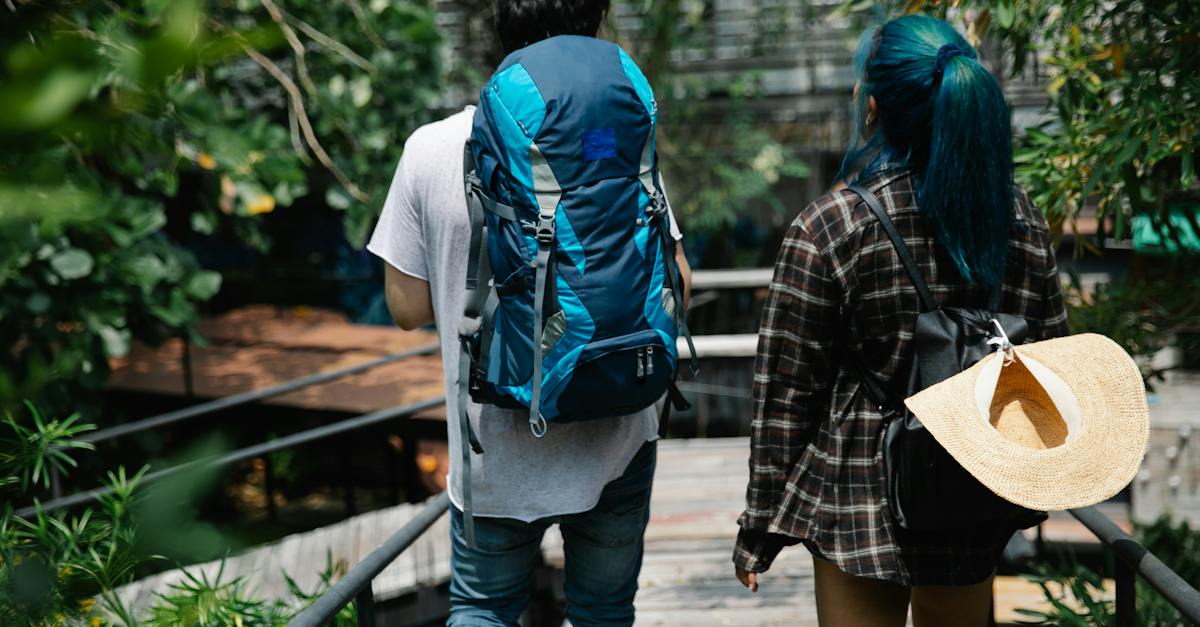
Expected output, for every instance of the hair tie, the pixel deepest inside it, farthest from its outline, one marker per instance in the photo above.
(947, 52)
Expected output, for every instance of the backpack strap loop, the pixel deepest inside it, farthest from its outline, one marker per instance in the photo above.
(479, 296)
(928, 303)
(548, 193)
(657, 212)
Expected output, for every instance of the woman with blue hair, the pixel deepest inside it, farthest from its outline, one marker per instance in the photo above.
(934, 145)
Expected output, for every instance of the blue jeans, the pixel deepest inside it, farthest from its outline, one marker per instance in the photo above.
(490, 585)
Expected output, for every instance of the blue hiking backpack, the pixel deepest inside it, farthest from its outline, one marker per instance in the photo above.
(574, 299)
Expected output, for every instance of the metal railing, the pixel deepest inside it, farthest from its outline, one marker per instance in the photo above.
(1133, 559)
(257, 450)
(249, 452)
(355, 587)
(251, 396)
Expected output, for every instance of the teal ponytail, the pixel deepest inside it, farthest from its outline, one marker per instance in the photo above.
(943, 114)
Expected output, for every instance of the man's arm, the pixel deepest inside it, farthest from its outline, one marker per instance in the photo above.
(685, 273)
(408, 298)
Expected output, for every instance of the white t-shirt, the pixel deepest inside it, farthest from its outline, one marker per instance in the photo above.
(424, 232)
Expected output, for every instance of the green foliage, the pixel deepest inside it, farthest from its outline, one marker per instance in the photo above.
(718, 160)
(1124, 98)
(130, 126)
(1075, 595)
(1144, 317)
(1074, 591)
(61, 568)
(54, 566)
(31, 454)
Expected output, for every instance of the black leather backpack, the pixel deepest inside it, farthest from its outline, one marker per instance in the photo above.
(927, 489)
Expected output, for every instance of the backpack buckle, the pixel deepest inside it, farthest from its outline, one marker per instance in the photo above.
(545, 231)
(658, 204)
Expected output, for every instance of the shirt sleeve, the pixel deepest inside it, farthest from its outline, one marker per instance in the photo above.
(792, 382)
(1054, 313)
(398, 238)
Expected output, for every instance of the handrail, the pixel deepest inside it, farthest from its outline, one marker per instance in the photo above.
(356, 585)
(1135, 558)
(249, 396)
(249, 452)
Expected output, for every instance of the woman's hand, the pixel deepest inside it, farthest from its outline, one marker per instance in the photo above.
(748, 579)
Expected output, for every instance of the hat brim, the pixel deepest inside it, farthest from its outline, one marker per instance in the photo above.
(1093, 465)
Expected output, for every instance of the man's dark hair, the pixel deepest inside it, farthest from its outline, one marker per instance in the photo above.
(523, 22)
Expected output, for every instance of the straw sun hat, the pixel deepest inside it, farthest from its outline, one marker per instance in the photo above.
(1050, 425)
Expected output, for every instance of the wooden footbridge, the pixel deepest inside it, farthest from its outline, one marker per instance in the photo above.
(396, 560)
(686, 579)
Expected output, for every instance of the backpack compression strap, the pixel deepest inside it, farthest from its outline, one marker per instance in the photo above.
(657, 212)
(548, 193)
(481, 302)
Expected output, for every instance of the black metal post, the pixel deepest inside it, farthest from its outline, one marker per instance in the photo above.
(1137, 559)
(55, 481)
(189, 388)
(269, 487)
(392, 468)
(364, 607)
(1126, 594)
(414, 490)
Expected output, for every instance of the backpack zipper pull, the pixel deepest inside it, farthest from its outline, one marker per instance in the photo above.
(649, 360)
(641, 365)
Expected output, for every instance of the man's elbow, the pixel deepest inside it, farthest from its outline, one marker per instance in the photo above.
(408, 299)
(407, 319)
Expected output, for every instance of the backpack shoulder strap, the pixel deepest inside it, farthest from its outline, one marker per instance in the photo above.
(928, 303)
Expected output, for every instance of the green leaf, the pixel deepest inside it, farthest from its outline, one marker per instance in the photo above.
(1005, 14)
(72, 263)
(38, 303)
(1128, 152)
(337, 199)
(1187, 170)
(360, 91)
(204, 222)
(147, 270)
(147, 221)
(204, 285)
(48, 101)
(116, 341)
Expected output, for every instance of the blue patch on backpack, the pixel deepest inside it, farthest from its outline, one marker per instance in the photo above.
(599, 144)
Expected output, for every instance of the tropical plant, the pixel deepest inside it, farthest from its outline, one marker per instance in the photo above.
(65, 568)
(1123, 89)
(131, 128)
(1144, 317)
(1076, 594)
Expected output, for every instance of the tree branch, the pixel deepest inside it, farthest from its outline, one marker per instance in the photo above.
(332, 44)
(297, 100)
(361, 16)
(294, 42)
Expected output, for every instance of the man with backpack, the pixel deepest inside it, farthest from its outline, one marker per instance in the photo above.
(563, 233)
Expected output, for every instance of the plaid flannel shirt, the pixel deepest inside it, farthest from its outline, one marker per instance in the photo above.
(816, 471)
